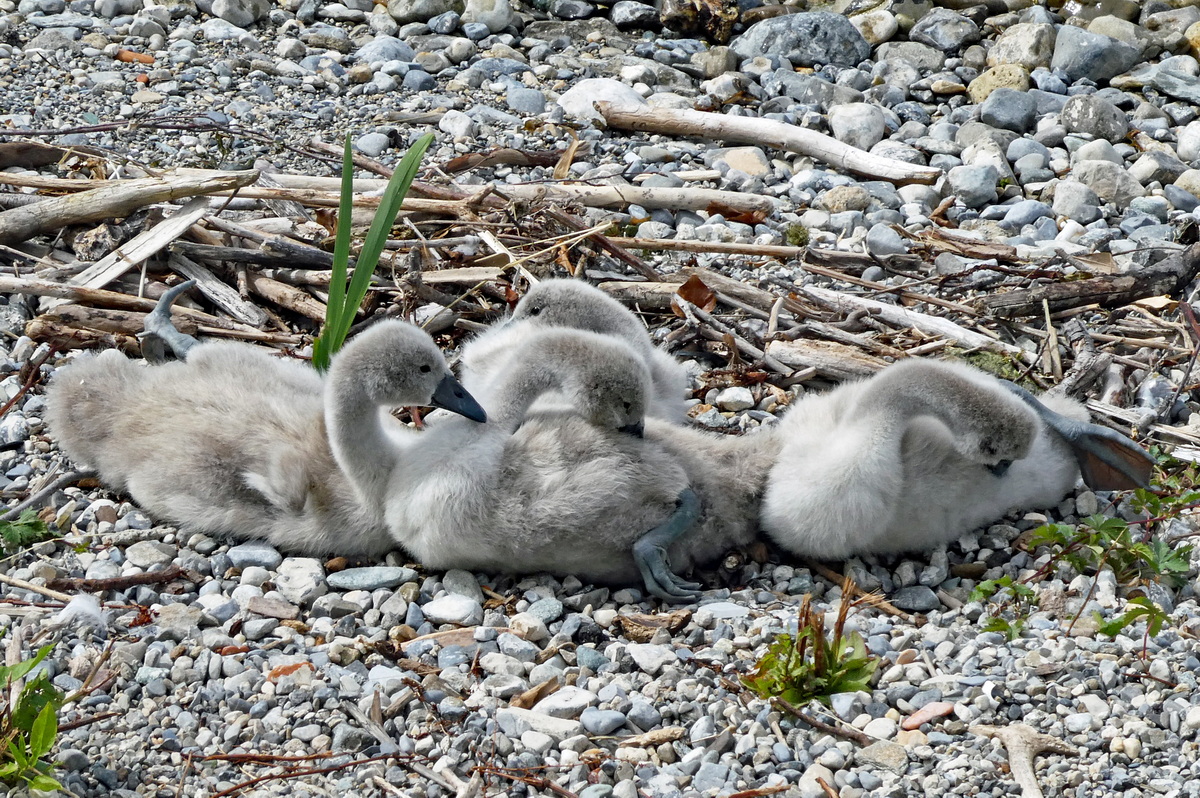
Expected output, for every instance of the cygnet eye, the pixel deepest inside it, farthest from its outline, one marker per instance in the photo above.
(627, 405)
(535, 310)
(425, 369)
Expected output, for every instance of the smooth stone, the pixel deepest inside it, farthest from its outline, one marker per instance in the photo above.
(301, 579)
(1110, 182)
(255, 552)
(148, 553)
(373, 144)
(975, 186)
(945, 30)
(651, 657)
(1028, 44)
(884, 754)
(567, 702)
(242, 13)
(601, 722)
(404, 11)
(1095, 116)
(371, 578)
(1081, 54)
(453, 609)
(857, 124)
(462, 583)
(1076, 201)
(918, 598)
(883, 241)
(1009, 109)
(628, 14)
(514, 722)
(495, 14)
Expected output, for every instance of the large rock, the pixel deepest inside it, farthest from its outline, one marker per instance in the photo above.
(1005, 76)
(577, 101)
(813, 37)
(1188, 146)
(1095, 116)
(404, 11)
(1082, 54)
(496, 14)
(1110, 182)
(857, 124)
(945, 30)
(922, 56)
(812, 89)
(1074, 200)
(242, 13)
(1009, 109)
(975, 186)
(1027, 44)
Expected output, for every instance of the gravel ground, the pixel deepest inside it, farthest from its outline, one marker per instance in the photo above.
(1058, 136)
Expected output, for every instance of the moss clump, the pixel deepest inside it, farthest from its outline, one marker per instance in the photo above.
(991, 362)
(796, 235)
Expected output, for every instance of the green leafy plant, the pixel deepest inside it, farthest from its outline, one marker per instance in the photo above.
(28, 724)
(26, 530)
(798, 668)
(345, 299)
(1131, 554)
(1013, 602)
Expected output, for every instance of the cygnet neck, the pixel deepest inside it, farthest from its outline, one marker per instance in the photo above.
(364, 448)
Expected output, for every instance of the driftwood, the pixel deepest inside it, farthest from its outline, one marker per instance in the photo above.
(290, 297)
(64, 336)
(1168, 276)
(108, 199)
(1023, 744)
(106, 320)
(143, 245)
(766, 132)
(830, 359)
(905, 317)
(323, 191)
(218, 292)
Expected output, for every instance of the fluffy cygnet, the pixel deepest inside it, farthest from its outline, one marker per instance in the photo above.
(570, 490)
(231, 440)
(921, 453)
(577, 305)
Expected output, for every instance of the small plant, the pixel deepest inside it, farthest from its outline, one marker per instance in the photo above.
(798, 668)
(796, 235)
(25, 531)
(1132, 555)
(1013, 601)
(28, 725)
(1140, 608)
(345, 299)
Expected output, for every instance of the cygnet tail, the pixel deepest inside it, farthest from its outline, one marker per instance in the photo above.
(84, 400)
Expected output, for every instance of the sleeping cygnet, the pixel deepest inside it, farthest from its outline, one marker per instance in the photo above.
(576, 305)
(231, 440)
(926, 451)
(569, 490)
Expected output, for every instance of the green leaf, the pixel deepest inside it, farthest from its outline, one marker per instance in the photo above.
(41, 739)
(44, 783)
(11, 673)
(24, 531)
(8, 770)
(345, 300)
(336, 307)
(38, 694)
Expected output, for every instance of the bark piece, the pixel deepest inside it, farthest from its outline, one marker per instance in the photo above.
(832, 360)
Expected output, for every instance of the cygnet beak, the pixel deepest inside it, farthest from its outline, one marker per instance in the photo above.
(636, 429)
(1000, 468)
(450, 395)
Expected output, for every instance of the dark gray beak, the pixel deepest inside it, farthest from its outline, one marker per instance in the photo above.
(1000, 468)
(453, 397)
(636, 429)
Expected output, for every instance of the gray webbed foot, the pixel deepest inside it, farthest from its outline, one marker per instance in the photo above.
(650, 553)
(1107, 459)
(159, 332)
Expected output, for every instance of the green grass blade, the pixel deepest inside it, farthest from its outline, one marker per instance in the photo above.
(45, 727)
(389, 206)
(336, 310)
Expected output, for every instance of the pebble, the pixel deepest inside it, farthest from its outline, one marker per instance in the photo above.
(454, 609)
(373, 578)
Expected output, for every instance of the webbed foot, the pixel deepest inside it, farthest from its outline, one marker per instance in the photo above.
(159, 332)
(650, 553)
(1107, 459)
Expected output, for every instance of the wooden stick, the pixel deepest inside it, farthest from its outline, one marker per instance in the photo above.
(218, 292)
(693, 199)
(765, 132)
(290, 297)
(143, 245)
(118, 582)
(905, 317)
(23, 585)
(106, 199)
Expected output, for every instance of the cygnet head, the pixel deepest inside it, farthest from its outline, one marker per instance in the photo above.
(577, 305)
(603, 378)
(395, 364)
